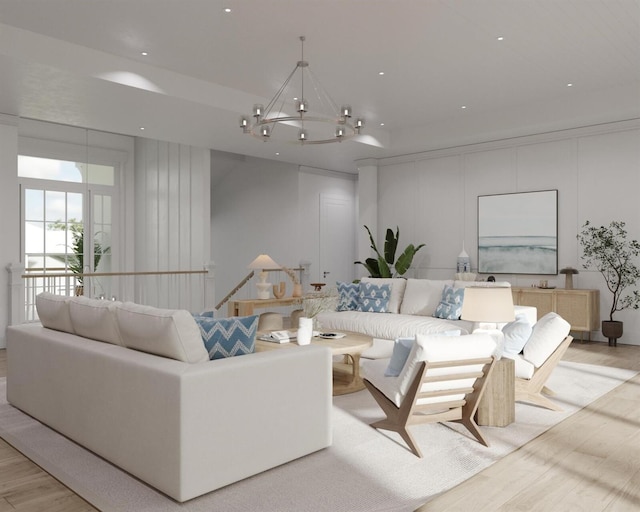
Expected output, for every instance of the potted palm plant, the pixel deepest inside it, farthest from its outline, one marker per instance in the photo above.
(607, 249)
(387, 265)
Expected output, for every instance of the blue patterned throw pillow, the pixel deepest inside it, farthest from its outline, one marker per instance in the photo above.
(228, 337)
(450, 306)
(374, 298)
(348, 300)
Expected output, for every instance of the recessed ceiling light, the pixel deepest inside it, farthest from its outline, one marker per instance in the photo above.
(381, 73)
(500, 38)
(227, 10)
(569, 85)
(144, 54)
(381, 124)
(277, 154)
(463, 107)
(142, 127)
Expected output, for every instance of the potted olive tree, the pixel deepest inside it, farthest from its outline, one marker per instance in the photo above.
(387, 265)
(607, 249)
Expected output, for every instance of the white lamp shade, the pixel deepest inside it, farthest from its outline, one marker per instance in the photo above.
(488, 304)
(264, 262)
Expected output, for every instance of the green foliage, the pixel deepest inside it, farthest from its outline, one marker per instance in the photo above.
(607, 249)
(387, 266)
(75, 261)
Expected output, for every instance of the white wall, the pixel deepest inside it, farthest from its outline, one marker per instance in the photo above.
(172, 207)
(264, 206)
(432, 197)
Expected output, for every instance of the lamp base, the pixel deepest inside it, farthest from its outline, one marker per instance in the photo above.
(263, 290)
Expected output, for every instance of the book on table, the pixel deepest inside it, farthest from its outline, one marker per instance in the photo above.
(279, 336)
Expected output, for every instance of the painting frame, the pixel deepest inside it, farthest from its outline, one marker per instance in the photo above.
(518, 233)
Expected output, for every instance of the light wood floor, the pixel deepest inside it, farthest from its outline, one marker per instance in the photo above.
(589, 462)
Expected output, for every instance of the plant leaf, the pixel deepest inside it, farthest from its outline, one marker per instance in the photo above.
(406, 258)
(390, 245)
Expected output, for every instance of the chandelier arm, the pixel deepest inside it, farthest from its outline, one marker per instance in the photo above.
(321, 91)
(273, 100)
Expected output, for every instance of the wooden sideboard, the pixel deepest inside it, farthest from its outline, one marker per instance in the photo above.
(581, 308)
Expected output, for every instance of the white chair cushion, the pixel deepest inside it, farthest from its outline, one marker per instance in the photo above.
(164, 332)
(547, 334)
(523, 368)
(398, 286)
(381, 349)
(422, 296)
(95, 319)
(428, 348)
(53, 311)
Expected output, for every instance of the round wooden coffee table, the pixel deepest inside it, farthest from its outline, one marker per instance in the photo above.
(346, 373)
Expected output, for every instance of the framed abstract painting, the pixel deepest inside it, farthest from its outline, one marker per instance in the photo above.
(518, 233)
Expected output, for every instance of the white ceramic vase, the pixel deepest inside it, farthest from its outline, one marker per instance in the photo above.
(305, 330)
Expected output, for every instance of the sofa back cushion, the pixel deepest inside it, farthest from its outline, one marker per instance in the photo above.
(95, 319)
(547, 334)
(228, 337)
(164, 332)
(398, 285)
(53, 311)
(422, 296)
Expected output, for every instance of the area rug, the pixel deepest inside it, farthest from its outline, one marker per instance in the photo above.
(364, 469)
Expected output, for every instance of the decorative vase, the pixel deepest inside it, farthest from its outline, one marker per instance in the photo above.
(305, 330)
(297, 290)
(612, 330)
(279, 290)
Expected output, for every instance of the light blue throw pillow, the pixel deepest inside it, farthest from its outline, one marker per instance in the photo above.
(228, 337)
(401, 349)
(516, 335)
(374, 298)
(348, 296)
(450, 306)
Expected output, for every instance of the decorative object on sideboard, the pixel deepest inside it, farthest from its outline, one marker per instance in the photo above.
(297, 287)
(568, 277)
(387, 265)
(320, 123)
(463, 263)
(280, 290)
(607, 249)
(263, 263)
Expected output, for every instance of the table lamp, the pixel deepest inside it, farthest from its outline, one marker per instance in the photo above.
(489, 305)
(263, 263)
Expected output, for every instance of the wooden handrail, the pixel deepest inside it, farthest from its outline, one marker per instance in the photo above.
(232, 292)
(116, 274)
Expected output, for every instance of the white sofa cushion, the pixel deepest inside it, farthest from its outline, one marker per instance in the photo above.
(422, 296)
(164, 332)
(95, 319)
(398, 286)
(53, 311)
(547, 334)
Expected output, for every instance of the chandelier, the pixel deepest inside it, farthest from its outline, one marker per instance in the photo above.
(306, 123)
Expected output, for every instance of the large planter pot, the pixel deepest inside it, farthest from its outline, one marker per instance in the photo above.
(612, 330)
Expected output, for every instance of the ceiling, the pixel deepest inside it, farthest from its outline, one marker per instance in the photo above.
(79, 62)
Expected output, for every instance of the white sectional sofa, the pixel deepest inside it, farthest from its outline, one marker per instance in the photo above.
(177, 421)
(412, 305)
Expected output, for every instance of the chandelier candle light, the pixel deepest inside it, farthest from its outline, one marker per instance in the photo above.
(326, 123)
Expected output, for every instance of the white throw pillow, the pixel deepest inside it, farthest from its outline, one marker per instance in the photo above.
(422, 296)
(516, 334)
(53, 311)
(95, 319)
(547, 334)
(398, 285)
(164, 332)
